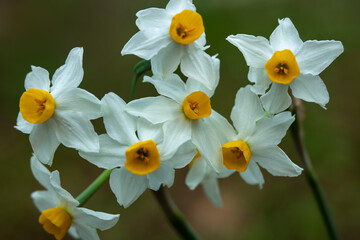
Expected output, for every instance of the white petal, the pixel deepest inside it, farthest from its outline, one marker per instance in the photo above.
(79, 100)
(276, 162)
(44, 141)
(177, 6)
(119, 125)
(193, 85)
(314, 56)
(38, 78)
(172, 87)
(221, 126)
(277, 99)
(256, 50)
(212, 191)
(40, 172)
(65, 198)
(86, 232)
(196, 173)
(22, 125)
(270, 131)
(155, 109)
(111, 154)
(167, 60)
(200, 43)
(200, 66)
(126, 186)
(260, 78)
(206, 140)
(253, 175)
(183, 156)
(73, 232)
(149, 131)
(176, 132)
(311, 89)
(99, 220)
(75, 131)
(285, 36)
(144, 46)
(154, 19)
(43, 200)
(246, 111)
(164, 175)
(70, 74)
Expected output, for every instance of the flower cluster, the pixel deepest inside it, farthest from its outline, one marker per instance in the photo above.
(147, 139)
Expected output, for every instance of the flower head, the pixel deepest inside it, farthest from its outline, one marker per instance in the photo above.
(256, 140)
(286, 61)
(60, 113)
(59, 211)
(146, 157)
(172, 36)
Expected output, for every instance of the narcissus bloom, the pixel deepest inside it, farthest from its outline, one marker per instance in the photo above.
(146, 157)
(201, 173)
(60, 113)
(172, 36)
(59, 211)
(286, 61)
(186, 112)
(256, 141)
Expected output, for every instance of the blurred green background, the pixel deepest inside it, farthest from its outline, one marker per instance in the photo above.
(42, 32)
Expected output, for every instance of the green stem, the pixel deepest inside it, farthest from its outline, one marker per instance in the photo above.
(174, 215)
(93, 187)
(309, 171)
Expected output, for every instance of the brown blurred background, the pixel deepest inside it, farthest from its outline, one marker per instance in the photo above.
(42, 32)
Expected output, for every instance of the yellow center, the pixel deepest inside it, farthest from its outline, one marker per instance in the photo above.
(142, 158)
(236, 155)
(36, 105)
(282, 67)
(186, 27)
(56, 221)
(197, 105)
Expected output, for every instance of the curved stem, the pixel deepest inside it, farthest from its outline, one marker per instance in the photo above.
(174, 215)
(310, 173)
(93, 187)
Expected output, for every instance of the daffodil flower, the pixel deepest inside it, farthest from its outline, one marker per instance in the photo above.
(59, 211)
(256, 141)
(286, 61)
(60, 113)
(186, 112)
(172, 36)
(146, 157)
(201, 173)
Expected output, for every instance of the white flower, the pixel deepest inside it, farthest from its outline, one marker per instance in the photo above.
(60, 113)
(172, 36)
(201, 172)
(59, 211)
(287, 61)
(146, 156)
(257, 140)
(186, 112)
